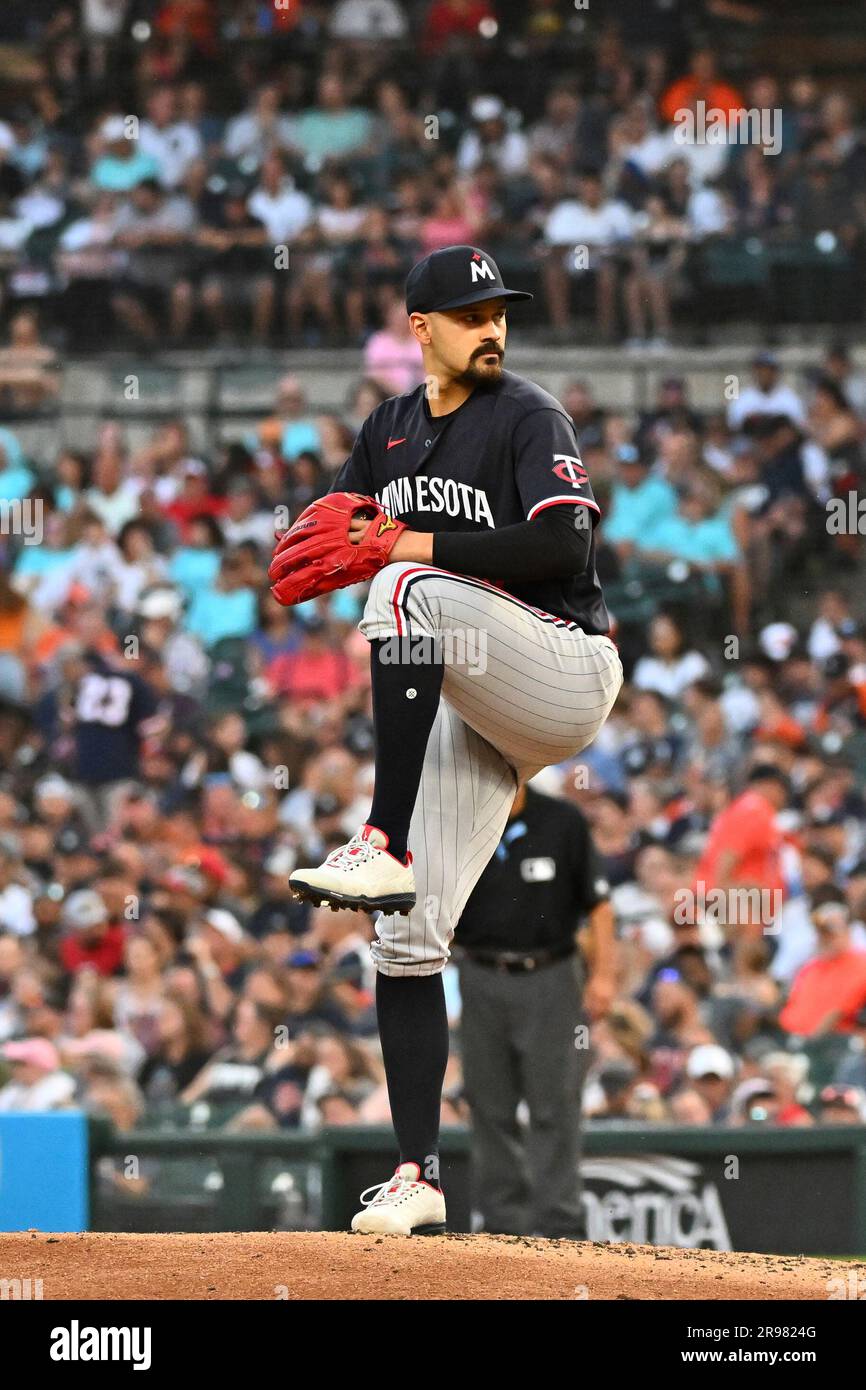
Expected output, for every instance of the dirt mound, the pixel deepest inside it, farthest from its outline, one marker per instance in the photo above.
(325, 1265)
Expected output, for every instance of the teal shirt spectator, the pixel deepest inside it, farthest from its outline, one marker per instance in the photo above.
(15, 483)
(698, 542)
(215, 614)
(66, 497)
(635, 511)
(193, 569)
(120, 175)
(332, 133)
(16, 479)
(344, 605)
(39, 560)
(716, 539)
(300, 437)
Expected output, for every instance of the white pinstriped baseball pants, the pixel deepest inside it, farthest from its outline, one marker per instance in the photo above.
(521, 690)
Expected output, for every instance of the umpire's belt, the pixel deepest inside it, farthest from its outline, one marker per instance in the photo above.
(516, 962)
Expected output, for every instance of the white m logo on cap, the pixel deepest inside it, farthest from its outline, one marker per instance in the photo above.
(481, 271)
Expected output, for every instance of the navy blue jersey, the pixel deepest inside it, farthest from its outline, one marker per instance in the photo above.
(507, 453)
(109, 708)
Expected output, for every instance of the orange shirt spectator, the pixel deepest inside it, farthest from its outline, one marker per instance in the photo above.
(700, 84)
(829, 992)
(826, 988)
(745, 842)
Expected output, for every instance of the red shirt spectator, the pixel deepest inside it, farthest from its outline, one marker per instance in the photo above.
(192, 19)
(793, 1115)
(91, 939)
(194, 499)
(828, 992)
(745, 842)
(450, 19)
(313, 673)
(102, 953)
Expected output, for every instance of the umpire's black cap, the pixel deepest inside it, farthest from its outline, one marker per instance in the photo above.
(453, 277)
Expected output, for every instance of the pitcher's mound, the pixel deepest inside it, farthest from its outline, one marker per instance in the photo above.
(324, 1265)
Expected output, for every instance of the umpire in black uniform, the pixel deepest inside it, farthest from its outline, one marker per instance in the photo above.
(521, 979)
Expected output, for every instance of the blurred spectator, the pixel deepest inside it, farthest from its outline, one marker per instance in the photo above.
(235, 1071)
(669, 669)
(700, 83)
(710, 1070)
(392, 357)
(153, 228)
(838, 366)
(787, 1074)
(37, 1081)
(121, 164)
(745, 842)
(616, 1083)
(278, 204)
(842, 1105)
(829, 992)
(490, 140)
(755, 1102)
(173, 144)
(639, 498)
(27, 377)
(589, 233)
(180, 1052)
(260, 130)
(92, 942)
(372, 20)
(227, 608)
(235, 272)
(768, 396)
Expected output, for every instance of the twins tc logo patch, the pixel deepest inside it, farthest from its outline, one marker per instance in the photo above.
(570, 469)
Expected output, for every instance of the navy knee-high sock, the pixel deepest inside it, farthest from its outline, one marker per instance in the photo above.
(405, 700)
(413, 1028)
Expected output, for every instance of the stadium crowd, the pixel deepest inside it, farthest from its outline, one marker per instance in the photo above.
(192, 171)
(173, 743)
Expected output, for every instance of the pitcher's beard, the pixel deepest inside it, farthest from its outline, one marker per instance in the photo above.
(481, 373)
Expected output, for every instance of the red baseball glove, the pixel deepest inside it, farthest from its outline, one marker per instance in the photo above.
(315, 555)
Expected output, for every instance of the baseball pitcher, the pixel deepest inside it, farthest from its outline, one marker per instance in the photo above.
(466, 503)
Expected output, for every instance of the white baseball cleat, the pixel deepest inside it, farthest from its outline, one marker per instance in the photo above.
(403, 1206)
(360, 875)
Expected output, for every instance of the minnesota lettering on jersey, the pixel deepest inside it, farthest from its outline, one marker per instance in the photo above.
(502, 458)
(423, 494)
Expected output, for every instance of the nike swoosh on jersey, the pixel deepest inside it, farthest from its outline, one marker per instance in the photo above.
(392, 442)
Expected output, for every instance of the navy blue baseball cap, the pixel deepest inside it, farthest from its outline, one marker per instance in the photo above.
(454, 277)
